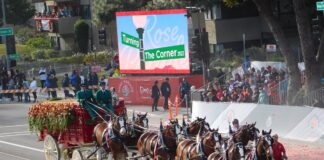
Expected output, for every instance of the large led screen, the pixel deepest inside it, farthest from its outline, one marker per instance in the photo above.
(153, 42)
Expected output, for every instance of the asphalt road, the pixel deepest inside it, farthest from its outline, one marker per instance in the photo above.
(17, 143)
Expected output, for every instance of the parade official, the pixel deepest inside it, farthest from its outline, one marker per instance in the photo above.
(166, 92)
(104, 98)
(84, 96)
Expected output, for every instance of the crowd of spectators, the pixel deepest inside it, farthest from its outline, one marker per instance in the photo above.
(265, 86)
(14, 80)
(58, 12)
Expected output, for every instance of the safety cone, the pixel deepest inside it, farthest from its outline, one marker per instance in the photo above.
(177, 105)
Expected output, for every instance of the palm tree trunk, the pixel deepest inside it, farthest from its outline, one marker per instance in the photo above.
(308, 46)
(282, 41)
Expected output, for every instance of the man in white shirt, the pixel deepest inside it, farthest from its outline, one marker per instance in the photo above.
(42, 76)
(33, 87)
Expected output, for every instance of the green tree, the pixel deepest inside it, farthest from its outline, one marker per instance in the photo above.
(38, 43)
(18, 11)
(81, 31)
(104, 10)
(23, 33)
(166, 4)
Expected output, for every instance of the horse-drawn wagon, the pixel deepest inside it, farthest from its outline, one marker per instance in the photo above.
(65, 128)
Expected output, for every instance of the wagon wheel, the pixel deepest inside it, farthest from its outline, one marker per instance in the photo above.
(51, 149)
(76, 155)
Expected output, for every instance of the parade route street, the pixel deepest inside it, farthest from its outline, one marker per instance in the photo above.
(17, 143)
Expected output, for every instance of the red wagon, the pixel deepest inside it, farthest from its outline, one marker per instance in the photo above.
(78, 134)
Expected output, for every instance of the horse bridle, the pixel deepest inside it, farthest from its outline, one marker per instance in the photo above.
(217, 139)
(268, 140)
(240, 146)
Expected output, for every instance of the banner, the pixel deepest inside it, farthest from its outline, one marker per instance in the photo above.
(154, 42)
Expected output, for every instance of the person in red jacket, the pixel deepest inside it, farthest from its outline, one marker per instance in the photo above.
(279, 152)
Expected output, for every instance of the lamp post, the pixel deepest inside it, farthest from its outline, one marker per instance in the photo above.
(140, 22)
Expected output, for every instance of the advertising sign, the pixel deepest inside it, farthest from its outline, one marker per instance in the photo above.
(153, 42)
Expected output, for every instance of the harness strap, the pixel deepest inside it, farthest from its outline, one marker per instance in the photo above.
(153, 143)
(190, 149)
(145, 141)
(201, 148)
(182, 148)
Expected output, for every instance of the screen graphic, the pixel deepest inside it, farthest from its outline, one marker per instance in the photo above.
(153, 42)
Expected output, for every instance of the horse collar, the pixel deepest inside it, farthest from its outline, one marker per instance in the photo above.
(201, 148)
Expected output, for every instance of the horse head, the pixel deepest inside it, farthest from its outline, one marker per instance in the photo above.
(246, 133)
(265, 145)
(119, 124)
(194, 127)
(173, 130)
(238, 152)
(214, 139)
(141, 120)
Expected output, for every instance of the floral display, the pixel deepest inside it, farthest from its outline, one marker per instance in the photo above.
(53, 116)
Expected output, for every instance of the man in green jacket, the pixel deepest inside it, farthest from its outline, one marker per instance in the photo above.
(84, 96)
(104, 98)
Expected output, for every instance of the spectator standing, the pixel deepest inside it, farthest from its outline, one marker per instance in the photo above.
(210, 94)
(19, 86)
(42, 76)
(94, 81)
(48, 85)
(255, 95)
(11, 85)
(26, 93)
(184, 90)
(104, 79)
(75, 81)
(66, 85)
(279, 152)
(166, 92)
(52, 71)
(85, 70)
(263, 97)
(155, 96)
(115, 99)
(33, 87)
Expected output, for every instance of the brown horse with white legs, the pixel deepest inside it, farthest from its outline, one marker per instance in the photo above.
(136, 128)
(237, 153)
(264, 146)
(192, 129)
(201, 148)
(109, 135)
(241, 138)
(162, 145)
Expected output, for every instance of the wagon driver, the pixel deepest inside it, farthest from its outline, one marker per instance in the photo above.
(104, 98)
(84, 96)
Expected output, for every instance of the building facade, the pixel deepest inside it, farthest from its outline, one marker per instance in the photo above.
(57, 18)
(226, 26)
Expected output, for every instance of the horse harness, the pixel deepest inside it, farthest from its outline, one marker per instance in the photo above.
(151, 143)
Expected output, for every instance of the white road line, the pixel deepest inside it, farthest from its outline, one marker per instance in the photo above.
(13, 126)
(22, 146)
(6, 133)
(11, 155)
(14, 135)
